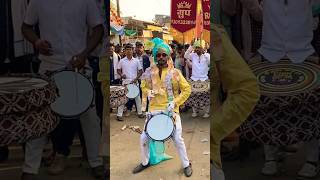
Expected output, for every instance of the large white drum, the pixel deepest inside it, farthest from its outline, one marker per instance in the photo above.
(76, 94)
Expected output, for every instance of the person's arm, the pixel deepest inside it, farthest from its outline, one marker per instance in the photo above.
(254, 8)
(242, 92)
(27, 29)
(185, 90)
(188, 52)
(95, 22)
(140, 71)
(119, 70)
(94, 39)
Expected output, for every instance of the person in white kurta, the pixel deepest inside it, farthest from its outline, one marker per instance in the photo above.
(199, 61)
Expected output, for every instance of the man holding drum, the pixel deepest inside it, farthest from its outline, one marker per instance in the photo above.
(199, 61)
(64, 42)
(166, 89)
(130, 70)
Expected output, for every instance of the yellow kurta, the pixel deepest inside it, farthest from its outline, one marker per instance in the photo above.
(240, 85)
(181, 91)
(104, 78)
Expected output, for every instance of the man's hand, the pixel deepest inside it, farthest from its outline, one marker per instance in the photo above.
(78, 61)
(170, 106)
(134, 81)
(44, 47)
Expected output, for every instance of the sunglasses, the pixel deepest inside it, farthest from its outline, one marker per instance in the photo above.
(163, 55)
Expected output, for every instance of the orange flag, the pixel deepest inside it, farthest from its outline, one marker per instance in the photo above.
(199, 20)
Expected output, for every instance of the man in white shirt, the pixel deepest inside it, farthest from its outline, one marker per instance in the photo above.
(64, 41)
(199, 61)
(130, 70)
(287, 30)
(114, 60)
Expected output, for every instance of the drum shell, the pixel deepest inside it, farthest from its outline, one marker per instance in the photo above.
(28, 100)
(200, 94)
(21, 127)
(285, 119)
(118, 91)
(116, 102)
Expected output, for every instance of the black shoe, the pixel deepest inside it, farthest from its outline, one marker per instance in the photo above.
(119, 118)
(140, 168)
(188, 171)
(27, 176)
(98, 172)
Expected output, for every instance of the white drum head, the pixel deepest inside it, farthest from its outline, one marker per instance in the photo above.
(9, 85)
(76, 94)
(160, 127)
(133, 91)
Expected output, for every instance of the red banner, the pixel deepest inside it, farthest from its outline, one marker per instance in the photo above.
(206, 14)
(183, 14)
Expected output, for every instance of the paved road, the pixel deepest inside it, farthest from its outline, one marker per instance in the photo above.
(125, 152)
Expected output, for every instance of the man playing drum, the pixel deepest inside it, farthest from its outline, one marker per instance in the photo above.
(199, 61)
(166, 89)
(130, 70)
(64, 42)
(232, 73)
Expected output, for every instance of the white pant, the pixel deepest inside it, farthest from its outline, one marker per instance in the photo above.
(90, 123)
(178, 140)
(138, 105)
(312, 151)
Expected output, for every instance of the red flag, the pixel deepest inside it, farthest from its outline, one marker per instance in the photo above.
(183, 14)
(206, 14)
(199, 20)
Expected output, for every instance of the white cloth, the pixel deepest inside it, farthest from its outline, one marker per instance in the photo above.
(287, 30)
(115, 60)
(90, 124)
(130, 68)
(138, 104)
(21, 45)
(65, 24)
(178, 140)
(33, 155)
(200, 64)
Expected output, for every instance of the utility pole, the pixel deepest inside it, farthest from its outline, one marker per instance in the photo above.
(118, 12)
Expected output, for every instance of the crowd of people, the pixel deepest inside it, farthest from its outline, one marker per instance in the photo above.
(192, 60)
(164, 74)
